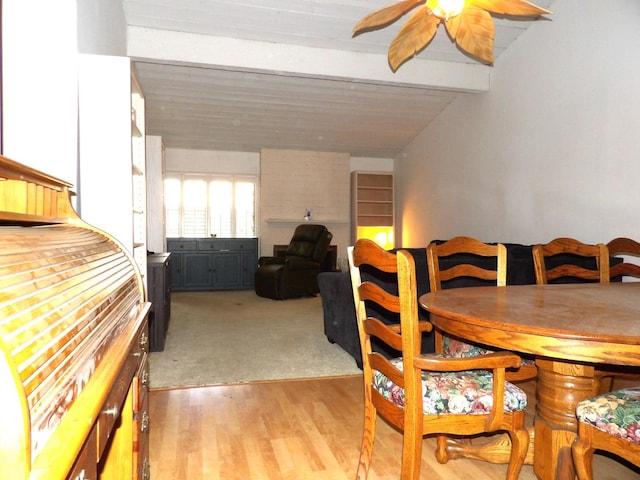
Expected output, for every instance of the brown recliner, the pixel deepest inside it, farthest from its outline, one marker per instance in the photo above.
(295, 273)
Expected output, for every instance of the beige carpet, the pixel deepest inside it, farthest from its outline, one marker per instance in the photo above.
(235, 337)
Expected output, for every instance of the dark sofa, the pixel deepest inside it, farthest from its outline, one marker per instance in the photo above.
(339, 310)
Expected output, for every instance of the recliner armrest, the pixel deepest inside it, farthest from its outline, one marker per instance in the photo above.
(299, 263)
(271, 261)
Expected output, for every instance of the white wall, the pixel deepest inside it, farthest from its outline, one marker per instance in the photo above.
(208, 161)
(155, 193)
(551, 151)
(371, 164)
(41, 40)
(39, 85)
(292, 181)
(105, 189)
(102, 28)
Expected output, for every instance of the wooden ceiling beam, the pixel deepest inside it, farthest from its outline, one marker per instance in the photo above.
(208, 51)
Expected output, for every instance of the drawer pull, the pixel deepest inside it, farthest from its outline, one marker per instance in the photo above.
(146, 470)
(144, 340)
(81, 476)
(144, 424)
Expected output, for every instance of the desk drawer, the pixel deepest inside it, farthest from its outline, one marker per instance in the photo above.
(141, 440)
(112, 408)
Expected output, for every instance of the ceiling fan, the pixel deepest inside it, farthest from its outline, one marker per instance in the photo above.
(468, 23)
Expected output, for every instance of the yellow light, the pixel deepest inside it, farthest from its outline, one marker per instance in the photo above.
(383, 236)
(446, 9)
(380, 238)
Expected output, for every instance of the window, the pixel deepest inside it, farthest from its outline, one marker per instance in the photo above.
(201, 206)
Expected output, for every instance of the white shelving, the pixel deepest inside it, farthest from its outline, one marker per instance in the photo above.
(138, 175)
(372, 207)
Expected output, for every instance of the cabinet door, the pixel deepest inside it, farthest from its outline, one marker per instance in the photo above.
(249, 267)
(168, 271)
(176, 271)
(196, 270)
(226, 270)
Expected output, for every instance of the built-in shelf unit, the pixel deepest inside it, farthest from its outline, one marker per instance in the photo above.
(372, 206)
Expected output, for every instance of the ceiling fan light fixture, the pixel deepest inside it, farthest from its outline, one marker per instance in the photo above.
(469, 24)
(445, 9)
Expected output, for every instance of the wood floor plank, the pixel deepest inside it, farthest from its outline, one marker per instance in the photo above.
(295, 430)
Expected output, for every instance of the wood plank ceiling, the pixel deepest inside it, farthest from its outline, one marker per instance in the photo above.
(241, 75)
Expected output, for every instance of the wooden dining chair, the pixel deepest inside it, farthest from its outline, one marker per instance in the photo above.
(624, 247)
(476, 264)
(424, 394)
(555, 262)
(607, 422)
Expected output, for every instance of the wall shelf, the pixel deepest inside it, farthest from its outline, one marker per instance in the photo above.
(371, 202)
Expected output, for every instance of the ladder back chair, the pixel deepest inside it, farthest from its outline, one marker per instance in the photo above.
(553, 262)
(630, 248)
(477, 264)
(607, 422)
(424, 394)
(624, 246)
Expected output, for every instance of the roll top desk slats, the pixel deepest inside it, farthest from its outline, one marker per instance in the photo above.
(72, 331)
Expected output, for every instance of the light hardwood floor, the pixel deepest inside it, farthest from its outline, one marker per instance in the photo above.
(294, 430)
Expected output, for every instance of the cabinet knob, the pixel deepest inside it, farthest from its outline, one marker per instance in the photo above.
(113, 411)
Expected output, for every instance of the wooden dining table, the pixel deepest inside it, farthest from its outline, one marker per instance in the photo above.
(572, 330)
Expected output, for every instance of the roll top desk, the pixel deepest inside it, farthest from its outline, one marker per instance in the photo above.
(73, 340)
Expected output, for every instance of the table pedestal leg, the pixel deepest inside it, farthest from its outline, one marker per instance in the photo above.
(561, 386)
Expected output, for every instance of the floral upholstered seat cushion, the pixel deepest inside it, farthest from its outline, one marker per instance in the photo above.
(467, 392)
(617, 413)
(453, 347)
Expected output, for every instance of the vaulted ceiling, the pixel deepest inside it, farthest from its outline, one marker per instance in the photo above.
(241, 75)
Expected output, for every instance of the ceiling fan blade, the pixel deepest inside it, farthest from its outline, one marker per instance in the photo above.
(510, 7)
(385, 16)
(473, 32)
(413, 37)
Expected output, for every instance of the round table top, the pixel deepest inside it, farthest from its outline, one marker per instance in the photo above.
(593, 322)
